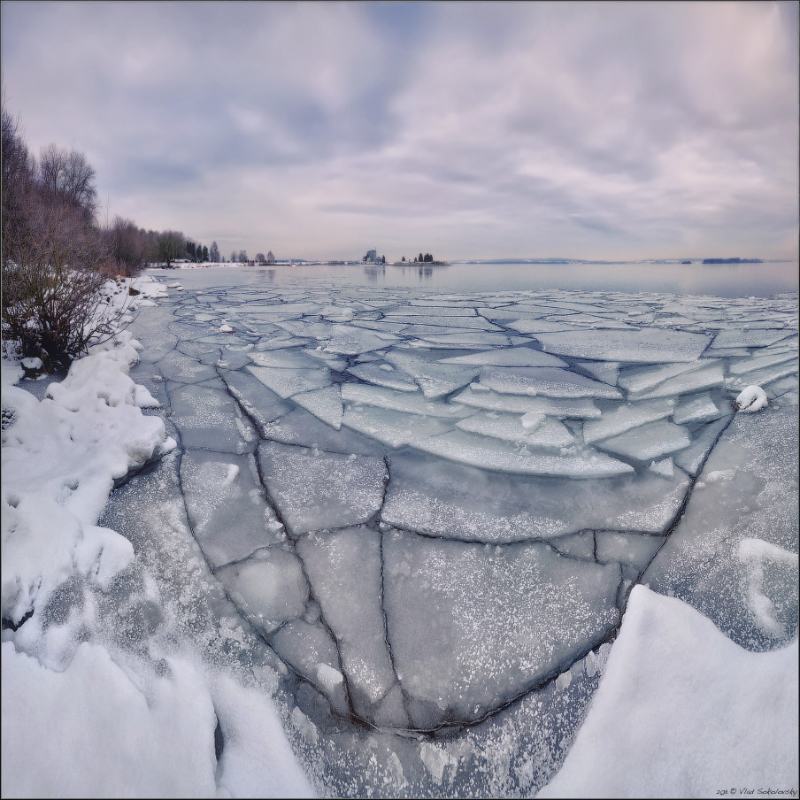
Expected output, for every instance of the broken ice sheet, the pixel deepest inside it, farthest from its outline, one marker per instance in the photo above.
(636, 549)
(435, 380)
(326, 404)
(307, 646)
(350, 340)
(393, 428)
(344, 568)
(477, 339)
(316, 490)
(740, 367)
(269, 587)
(226, 506)
(548, 432)
(638, 380)
(380, 376)
(700, 408)
(625, 418)
(209, 418)
(466, 502)
(548, 381)
(402, 401)
(455, 324)
(606, 371)
(286, 382)
(644, 345)
(496, 454)
(704, 378)
(508, 357)
(739, 337)
(648, 441)
(746, 491)
(473, 627)
(480, 396)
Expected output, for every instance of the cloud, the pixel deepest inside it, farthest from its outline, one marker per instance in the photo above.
(467, 129)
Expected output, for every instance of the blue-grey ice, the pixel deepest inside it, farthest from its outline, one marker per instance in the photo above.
(428, 511)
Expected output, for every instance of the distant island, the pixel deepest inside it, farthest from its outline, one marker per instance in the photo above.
(732, 261)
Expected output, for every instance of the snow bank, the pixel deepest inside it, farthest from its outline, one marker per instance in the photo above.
(60, 458)
(114, 736)
(90, 732)
(682, 711)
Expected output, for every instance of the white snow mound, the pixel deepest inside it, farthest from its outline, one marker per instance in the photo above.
(751, 398)
(681, 711)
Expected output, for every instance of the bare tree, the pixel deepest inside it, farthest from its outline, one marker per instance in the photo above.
(213, 254)
(242, 256)
(171, 245)
(260, 258)
(129, 246)
(18, 180)
(70, 178)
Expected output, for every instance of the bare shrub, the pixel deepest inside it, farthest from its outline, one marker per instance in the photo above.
(53, 270)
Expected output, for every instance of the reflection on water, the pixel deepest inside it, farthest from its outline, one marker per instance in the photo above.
(421, 271)
(721, 280)
(373, 272)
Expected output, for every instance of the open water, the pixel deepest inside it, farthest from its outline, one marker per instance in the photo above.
(721, 280)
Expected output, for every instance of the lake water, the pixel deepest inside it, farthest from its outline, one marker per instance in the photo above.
(728, 280)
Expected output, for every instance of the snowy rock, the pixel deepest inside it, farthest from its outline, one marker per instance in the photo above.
(751, 398)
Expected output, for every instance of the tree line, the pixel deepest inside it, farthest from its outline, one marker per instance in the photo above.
(56, 256)
(421, 259)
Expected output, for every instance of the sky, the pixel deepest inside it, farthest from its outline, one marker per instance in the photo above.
(610, 131)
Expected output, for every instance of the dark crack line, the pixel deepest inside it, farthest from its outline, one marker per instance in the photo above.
(386, 638)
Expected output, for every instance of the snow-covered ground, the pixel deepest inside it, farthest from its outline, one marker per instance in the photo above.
(372, 541)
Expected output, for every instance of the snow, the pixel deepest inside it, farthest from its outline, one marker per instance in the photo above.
(700, 713)
(61, 456)
(363, 541)
(750, 399)
(165, 746)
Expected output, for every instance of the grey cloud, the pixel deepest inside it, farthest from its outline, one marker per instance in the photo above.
(570, 128)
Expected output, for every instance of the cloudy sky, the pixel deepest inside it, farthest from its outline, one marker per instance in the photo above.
(468, 130)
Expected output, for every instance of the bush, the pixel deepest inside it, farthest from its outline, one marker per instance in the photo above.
(56, 266)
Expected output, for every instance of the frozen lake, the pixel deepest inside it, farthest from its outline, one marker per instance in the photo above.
(423, 497)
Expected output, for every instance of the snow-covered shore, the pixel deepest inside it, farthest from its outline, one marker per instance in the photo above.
(80, 717)
(83, 717)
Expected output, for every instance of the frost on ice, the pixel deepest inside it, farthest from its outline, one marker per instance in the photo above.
(428, 513)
